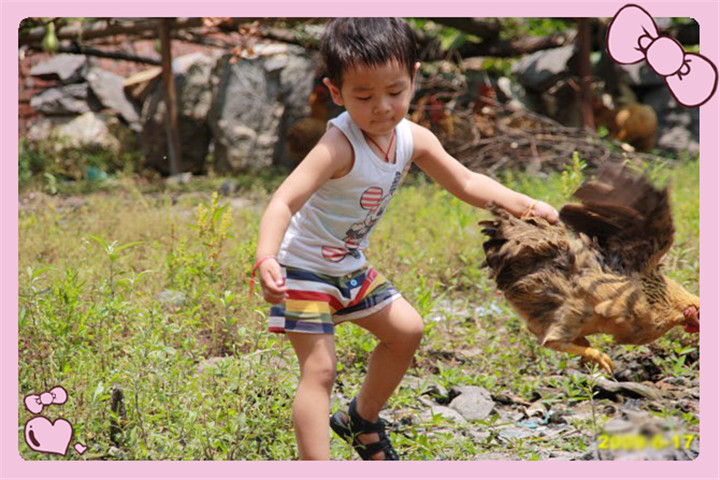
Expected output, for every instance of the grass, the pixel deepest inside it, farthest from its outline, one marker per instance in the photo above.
(145, 291)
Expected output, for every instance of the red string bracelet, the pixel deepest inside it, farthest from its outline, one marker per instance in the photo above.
(254, 270)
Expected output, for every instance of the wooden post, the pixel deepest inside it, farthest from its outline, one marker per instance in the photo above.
(585, 72)
(171, 107)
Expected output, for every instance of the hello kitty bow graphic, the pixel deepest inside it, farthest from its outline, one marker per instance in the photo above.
(36, 402)
(44, 435)
(633, 36)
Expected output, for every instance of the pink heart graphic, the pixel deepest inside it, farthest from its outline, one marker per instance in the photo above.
(45, 436)
(80, 448)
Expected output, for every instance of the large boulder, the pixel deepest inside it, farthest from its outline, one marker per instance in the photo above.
(296, 85)
(194, 94)
(255, 102)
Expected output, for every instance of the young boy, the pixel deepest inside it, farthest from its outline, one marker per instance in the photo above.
(310, 246)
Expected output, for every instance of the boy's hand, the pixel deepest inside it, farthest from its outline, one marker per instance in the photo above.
(542, 209)
(272, 281)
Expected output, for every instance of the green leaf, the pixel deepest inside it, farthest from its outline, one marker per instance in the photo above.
(99, 240)
(128, 245)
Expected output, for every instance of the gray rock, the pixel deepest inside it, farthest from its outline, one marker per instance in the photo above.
(557, 417)
(171, 298)
(245, 116)
(179, 179)
(67, 68)
(228, 187)
(42, 128)
(108, 88)
(193, 84)
(629, 388)
(473, 403)
(95, 130)
(424, 386)
(63, 100)
(509, 434)
(445, 412)
(537, 409)
(194, 94)
(540, 70)
(256, 101)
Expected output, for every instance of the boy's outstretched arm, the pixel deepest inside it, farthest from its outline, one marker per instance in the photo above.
(471, 187)
(330, 158)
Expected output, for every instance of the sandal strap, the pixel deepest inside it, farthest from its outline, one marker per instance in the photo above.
(370, 449)
(360, 425)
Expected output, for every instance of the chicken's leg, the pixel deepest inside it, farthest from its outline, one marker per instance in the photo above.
(587, 352)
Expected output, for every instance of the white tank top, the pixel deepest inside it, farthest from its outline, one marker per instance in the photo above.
(329, 233)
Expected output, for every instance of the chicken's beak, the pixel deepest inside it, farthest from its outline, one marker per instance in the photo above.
(692, 319)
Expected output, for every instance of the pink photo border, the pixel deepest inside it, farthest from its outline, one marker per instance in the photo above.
(13, 466)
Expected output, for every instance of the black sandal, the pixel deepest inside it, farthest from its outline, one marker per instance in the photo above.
(348, 425)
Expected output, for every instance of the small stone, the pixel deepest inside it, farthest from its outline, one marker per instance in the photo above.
(473, 403)
(632, 388)
(179, 179)
(537, 409)
(171, 298)
(445, 412)
(228, 187)
(508, 434)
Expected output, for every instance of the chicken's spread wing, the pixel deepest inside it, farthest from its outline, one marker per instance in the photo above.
(629, 218)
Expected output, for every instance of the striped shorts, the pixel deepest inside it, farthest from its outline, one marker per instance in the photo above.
(316, 302)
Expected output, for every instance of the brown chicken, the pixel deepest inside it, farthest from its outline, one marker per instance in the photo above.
(597, 270)
(633, 123)
(304, 134)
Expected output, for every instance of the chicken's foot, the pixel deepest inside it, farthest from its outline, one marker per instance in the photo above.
(587, 352)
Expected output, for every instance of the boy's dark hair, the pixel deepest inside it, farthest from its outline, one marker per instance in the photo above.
(348, 42)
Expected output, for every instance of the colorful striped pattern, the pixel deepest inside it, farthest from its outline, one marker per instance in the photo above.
(317, 302)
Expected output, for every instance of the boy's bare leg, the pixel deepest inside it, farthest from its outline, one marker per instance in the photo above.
(311, 407)
(399, 328)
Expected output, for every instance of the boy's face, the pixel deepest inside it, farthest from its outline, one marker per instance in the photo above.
(376, 98)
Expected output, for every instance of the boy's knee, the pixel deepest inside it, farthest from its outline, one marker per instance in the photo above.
(321, 373)
(416, 328)
(410, 332)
